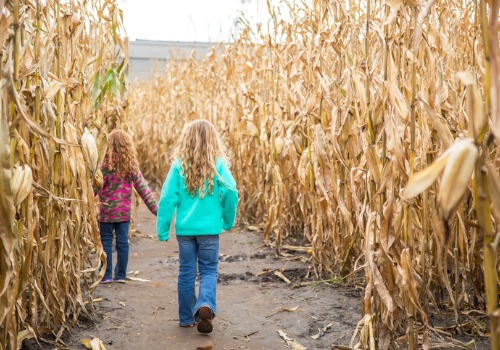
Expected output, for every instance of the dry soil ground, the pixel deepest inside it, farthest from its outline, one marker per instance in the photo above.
(253, 302)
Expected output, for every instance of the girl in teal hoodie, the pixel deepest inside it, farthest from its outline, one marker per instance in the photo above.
(202, 193)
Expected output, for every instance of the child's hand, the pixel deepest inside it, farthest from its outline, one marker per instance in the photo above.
(163, 239)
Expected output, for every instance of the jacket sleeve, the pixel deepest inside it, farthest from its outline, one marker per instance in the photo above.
(141, 186)
(229, 196)
(168, 202)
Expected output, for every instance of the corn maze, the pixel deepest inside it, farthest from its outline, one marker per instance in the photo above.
(368, 129)
(58, 75)
(341, 120)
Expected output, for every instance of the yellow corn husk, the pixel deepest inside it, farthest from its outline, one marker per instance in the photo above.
(457, 162)
(20, 183)
(478, 121)
(279, 144)
(296, 143)
(420, 181)
(89, 144)
(93, 344)
(102, 146)
(456, 175)
(98, 178)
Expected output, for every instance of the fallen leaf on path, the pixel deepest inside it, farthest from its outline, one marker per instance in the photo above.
(158, 284)
(280, 275)
(251, 333)
(94, 301)
(253, 228)
(296, 248)
(283, 309)
(122, 303)
(322, 331)
(263, 272)
(158, 308)
(137, 279)
(292, 344)
(94, 344)
(207, 346)
(137, 233)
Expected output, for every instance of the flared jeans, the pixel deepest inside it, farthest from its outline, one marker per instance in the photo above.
(197, 254)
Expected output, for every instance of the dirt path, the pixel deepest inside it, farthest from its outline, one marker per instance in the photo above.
(251, 300)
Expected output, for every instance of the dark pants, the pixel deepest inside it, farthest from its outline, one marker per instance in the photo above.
(121, 230)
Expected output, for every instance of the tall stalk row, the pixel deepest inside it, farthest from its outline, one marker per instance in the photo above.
(57, 60)
(341, 119)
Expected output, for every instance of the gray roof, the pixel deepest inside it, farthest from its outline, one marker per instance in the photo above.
(148, 49)
(148, 55)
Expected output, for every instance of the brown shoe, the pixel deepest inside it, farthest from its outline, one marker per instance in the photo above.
(205, 324)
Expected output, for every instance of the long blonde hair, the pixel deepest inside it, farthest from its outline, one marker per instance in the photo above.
(198, 149)
(121, 154)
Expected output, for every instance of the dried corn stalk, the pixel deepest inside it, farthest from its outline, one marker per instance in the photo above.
(58, 74)
(328, 116)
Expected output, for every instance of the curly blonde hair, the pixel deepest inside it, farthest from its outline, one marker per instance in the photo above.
(121, 154)
(198, 148)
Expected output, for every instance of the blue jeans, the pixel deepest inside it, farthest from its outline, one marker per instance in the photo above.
(204, 252)
(121, 230)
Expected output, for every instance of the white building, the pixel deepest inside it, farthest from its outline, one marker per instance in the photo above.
(148, 55)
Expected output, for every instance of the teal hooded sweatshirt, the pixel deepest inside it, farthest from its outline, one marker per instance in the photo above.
(196, 216)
